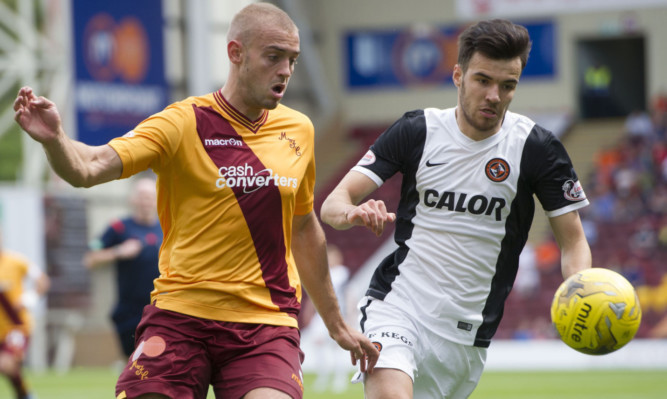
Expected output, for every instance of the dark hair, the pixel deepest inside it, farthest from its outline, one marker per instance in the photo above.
(498, 39)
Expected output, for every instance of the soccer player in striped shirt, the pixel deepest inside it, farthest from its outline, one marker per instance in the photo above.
(235, 184)
(18, 278)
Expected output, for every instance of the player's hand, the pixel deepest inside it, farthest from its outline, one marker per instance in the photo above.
(128, 249)
(38, 116)
(360, 347)
(371, 214)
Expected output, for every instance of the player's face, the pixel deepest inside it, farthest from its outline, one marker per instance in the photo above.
(485, 92)
(267, 67)
(144, 200)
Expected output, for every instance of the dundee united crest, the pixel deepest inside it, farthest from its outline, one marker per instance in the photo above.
(497, 170)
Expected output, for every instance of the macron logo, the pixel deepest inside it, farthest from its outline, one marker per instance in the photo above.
(223, 143)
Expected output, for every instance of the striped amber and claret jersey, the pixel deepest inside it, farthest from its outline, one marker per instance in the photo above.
(228, 188)
(14, 269)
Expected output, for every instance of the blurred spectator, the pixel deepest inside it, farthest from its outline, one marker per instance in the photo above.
(638, 124)
(132, 244)
(657, 203)
(603, 204)
(659, 156)
(644, 240)
(662, 232)
(659, 113)
(548, 255)
(606, 161)
(629, 208)
(626, 176)
(590, 229)
(597, 99)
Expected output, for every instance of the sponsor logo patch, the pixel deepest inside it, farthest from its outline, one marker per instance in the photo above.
(377, 346)
(497, 170)
(573, 191)
(384, 335)
(367, 159)
(245, 176)
(230, 142)
(462, 202)
(151, 347)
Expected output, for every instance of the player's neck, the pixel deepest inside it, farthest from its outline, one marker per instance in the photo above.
(471, 131)
(234, 97)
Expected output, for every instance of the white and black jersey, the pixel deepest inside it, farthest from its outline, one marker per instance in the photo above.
(465, 211)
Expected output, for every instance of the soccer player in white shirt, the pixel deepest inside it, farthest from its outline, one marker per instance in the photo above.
(466, 207)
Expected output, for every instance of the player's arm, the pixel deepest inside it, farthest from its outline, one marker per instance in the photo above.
(79, 164)
(569, 234)
(340, 209)
(128, 249)
(309, 249)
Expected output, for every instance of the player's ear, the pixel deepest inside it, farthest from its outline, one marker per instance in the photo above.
(235, 51)
(457, 75)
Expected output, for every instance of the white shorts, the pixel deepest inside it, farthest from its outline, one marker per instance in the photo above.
(438, 367)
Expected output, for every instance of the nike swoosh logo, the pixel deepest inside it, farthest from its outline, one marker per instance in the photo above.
(429, 164)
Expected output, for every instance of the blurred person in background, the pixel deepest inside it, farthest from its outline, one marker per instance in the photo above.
(466, 207)
(236, 175)
(132, 245)
(20, 282)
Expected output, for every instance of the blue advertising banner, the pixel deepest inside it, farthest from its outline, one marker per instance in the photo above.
(419, 56)
(119, 66)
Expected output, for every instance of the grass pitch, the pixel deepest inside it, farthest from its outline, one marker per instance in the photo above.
(594, 384)
(579, 384)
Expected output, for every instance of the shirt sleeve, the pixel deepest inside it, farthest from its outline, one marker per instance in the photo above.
(553, 177)
(153, 142)
(396, 149)
(113, 235)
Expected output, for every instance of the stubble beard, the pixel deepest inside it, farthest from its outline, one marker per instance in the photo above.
(470, 120)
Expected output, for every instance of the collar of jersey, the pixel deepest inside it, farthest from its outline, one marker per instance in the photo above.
(233, 113)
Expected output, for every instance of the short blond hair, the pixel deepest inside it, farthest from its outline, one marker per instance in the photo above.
(256, 16)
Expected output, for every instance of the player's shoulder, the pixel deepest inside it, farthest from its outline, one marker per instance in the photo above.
(413, 115)
(284, 115)
(119, 225)
(410, 125)
(185, 105)
(284, 111)
(523, 125)
(410, 121)
(519, 122)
